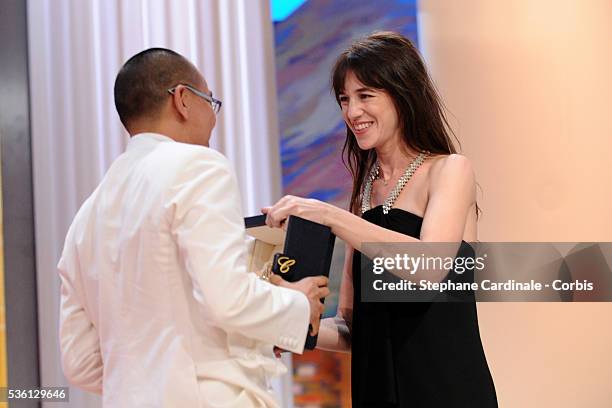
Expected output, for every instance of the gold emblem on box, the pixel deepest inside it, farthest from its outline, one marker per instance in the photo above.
(285, 263)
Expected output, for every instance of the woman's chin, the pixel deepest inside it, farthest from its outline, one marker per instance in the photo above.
(365, 144)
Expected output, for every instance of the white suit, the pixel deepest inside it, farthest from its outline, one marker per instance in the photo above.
(157, 307)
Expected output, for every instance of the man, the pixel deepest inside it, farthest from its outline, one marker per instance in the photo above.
(157, 307)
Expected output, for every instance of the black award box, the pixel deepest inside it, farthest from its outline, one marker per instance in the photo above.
(305, 249)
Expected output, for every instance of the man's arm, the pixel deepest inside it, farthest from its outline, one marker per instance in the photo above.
(79, 341)
(208, 224)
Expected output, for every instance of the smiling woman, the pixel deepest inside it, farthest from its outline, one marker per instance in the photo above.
(382, 80)
(369, 113)
(409, 185)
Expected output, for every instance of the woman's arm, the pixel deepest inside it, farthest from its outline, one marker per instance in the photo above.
(452, 191)
(451, 195)
(335, 332)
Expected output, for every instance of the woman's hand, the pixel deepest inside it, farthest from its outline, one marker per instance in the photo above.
(307, 208)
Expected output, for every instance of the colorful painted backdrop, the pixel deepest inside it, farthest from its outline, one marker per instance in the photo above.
(308, 39)
(312, 132)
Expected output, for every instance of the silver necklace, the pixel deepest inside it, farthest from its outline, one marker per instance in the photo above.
(401, 183)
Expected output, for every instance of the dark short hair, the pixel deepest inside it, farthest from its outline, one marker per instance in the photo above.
(142, 84)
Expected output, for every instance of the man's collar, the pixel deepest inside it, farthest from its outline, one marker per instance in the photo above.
(151, 136)
(146, 139)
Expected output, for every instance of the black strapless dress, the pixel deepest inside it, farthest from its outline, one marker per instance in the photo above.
(413, 355)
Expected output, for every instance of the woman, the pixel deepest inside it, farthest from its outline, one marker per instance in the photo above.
(409, 185)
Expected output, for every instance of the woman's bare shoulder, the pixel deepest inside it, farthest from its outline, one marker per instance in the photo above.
(451, 172)
(450, 165)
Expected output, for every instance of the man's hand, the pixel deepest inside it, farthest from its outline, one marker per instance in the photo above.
(315, 288)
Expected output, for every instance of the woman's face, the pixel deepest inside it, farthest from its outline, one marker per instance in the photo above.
(369, 113)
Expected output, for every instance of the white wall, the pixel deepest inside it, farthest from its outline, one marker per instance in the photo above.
(528, 84)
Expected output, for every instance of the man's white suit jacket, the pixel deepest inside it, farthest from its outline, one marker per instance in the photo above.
(157, 307)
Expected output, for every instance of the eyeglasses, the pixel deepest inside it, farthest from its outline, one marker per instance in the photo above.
(214, 103)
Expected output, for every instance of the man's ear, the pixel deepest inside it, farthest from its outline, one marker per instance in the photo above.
(179, 103)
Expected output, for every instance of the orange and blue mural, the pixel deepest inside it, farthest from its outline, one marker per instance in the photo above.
(309, 35)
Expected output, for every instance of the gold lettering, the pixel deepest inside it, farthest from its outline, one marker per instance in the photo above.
(285, 263)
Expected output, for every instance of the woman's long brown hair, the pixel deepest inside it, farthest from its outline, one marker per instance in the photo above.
(390, 62)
